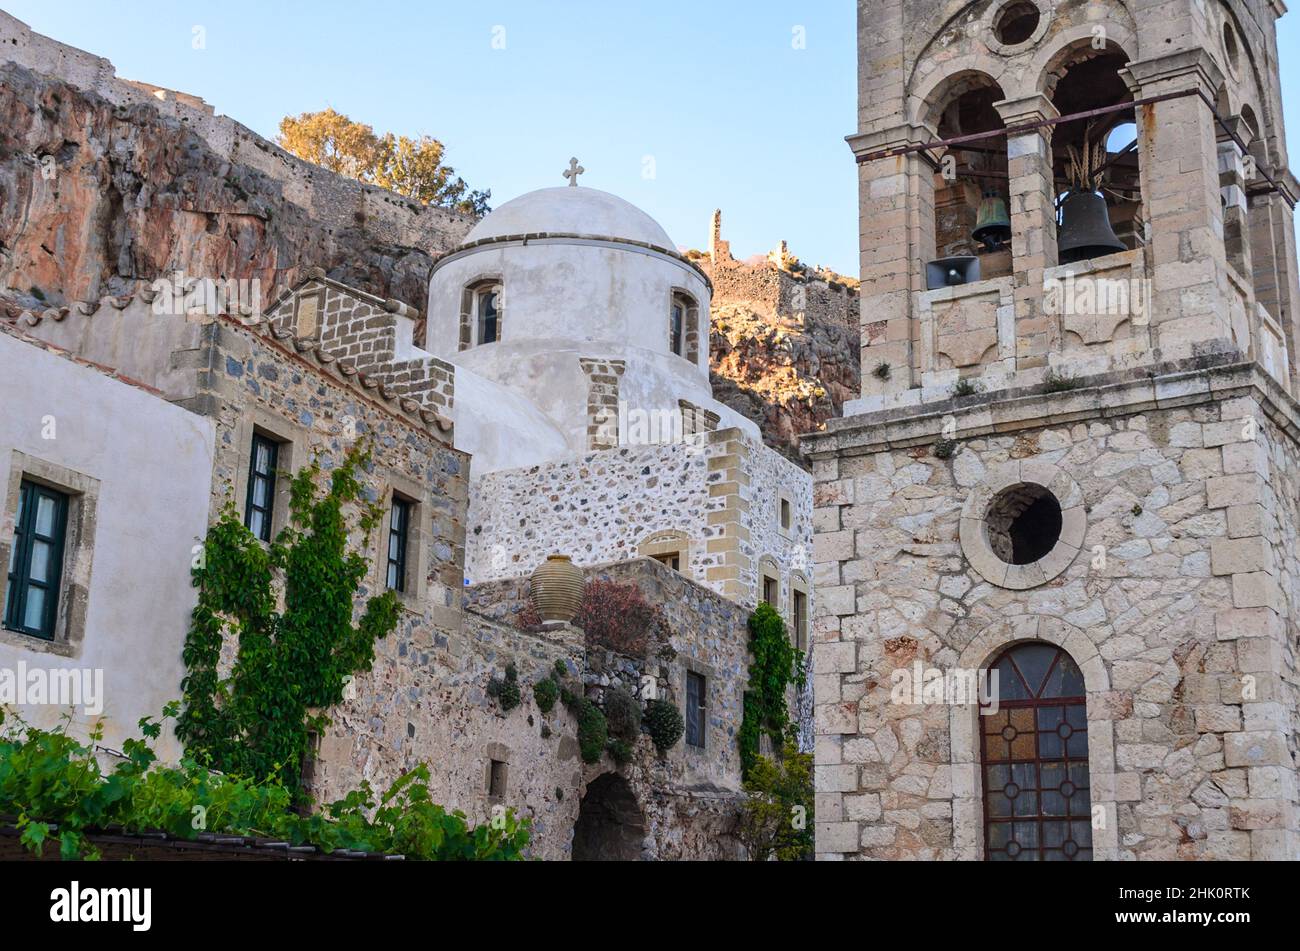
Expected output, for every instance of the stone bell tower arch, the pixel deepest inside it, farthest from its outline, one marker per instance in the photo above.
(1078, 408)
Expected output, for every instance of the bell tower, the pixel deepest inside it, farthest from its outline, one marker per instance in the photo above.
(1153, 138)
(1077, 431)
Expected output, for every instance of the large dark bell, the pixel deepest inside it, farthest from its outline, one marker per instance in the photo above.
(993, 224)
(1085, 230)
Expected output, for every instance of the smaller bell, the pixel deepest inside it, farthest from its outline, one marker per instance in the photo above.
(993, 224)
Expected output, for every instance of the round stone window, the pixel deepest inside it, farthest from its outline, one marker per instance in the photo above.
(1017, 23)
(1025, 525)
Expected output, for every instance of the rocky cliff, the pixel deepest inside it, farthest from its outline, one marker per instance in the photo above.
(784, 344)
(106, 184)
(786, 377)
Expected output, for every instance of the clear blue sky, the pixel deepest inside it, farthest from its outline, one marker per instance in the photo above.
(712, 91)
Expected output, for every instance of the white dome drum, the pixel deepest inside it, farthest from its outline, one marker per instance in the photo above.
(564, 275)
(571, 266)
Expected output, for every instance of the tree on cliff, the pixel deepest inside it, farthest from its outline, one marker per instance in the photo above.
(411, 167)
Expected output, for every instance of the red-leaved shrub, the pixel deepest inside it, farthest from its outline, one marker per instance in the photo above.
(529, 618)
(617, 616)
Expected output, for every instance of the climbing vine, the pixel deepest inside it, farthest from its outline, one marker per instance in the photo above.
(776, 820)
(775, 666)
(60, 795)
(256, 722)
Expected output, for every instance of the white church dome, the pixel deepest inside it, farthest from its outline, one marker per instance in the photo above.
(566, 210)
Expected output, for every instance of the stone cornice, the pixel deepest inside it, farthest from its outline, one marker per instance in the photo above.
(1184, 383)
(894, 137)
(566, 237)
(1033, 108)
(1287, 183)
(1181, 69)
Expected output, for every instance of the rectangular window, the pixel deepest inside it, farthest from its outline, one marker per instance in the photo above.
(487, 317)
(800, 613)
(695, 709)
(769, 590)
(260, 504)
(399, 530)
(36, 561)
(307, 767)
(497, 780)
(675, 332)
(672, 559)
(785, 514)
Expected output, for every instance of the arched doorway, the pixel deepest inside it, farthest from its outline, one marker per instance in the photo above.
(1034, 756)
(610, 827)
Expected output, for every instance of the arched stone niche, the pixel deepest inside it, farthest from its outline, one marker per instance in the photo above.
(967, 784)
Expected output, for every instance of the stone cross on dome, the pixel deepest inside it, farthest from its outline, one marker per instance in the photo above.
(574, 171)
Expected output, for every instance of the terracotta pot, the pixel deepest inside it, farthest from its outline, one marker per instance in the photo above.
(557, 588)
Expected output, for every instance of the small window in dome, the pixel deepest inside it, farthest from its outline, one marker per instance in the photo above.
(682, 332)
(487, 313)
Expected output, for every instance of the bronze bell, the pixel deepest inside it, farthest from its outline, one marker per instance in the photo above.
(993, 224)
(1085, 230)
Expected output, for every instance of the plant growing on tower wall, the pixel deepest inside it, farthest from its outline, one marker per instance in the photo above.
(776, 821)
(256, 721)
(623, 713)
(776, 665)
(593, 730)
(546, 691)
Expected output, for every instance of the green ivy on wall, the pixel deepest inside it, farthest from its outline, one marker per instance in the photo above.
(257, 721)
(775, 666)
(776, 821)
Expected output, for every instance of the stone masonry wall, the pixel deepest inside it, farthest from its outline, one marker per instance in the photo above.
(1180, 606)
(719, 489)
(426, 701)
(596, 508)
(252, 383)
